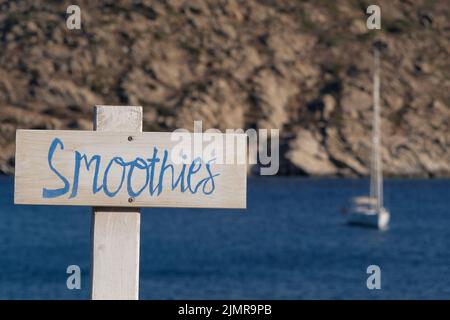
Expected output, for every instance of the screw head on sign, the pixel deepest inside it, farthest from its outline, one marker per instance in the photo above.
(130, 138)
(130, 200)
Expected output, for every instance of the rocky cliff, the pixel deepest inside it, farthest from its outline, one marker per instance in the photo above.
(304, 67)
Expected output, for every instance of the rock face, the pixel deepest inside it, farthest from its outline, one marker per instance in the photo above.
(302, 67)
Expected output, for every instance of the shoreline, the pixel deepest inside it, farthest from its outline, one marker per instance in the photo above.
(328, 177)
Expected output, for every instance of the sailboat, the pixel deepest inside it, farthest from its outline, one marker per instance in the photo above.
(369, 210)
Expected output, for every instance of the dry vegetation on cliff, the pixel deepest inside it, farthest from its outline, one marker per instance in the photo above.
(303, 67)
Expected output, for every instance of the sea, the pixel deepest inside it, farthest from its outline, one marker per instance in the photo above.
(290, 243)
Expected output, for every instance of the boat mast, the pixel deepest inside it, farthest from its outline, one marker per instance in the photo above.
(376, 178)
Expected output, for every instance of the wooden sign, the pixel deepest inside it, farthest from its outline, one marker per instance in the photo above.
(135, 169)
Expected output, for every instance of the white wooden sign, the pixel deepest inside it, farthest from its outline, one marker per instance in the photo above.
(130, 169)
(117, 169)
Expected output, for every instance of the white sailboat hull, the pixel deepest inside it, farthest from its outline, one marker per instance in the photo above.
(369, 218)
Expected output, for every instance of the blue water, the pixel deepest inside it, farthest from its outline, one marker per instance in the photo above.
(290, 243)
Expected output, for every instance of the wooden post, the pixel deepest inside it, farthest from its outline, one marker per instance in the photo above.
(116, 231)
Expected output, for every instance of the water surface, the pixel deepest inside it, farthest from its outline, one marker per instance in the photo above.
(290, 243)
